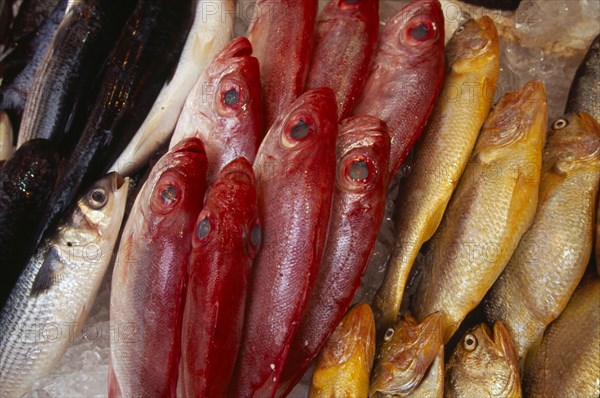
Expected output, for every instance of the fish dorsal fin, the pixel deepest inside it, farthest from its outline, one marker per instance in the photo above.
(48, 274)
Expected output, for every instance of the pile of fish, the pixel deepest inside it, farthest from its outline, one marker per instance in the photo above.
(236, 187)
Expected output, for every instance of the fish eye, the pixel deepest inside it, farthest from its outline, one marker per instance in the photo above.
(470, 342)
(168, 194)
(97, 198)
(357, 172)
(253, 239)
(231, 97)
(256, 236)
(460, 29)
(349, 3)
(419, 31)
(422, 31)
(203, 229)
(299, 129)
(388, 334)
(560, 124)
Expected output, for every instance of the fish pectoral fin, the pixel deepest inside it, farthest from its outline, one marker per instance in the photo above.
(48, 274)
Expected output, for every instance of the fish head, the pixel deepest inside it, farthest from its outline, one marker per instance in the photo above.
(355, 335)
(230, 211)
(513, 117)
(472, 44)
(484, 365)
(416, 31)
(233, 78)
(573, 143)
(363, 151)
(356, 9)
(177, 182)
(408, 350)
(308, 117)
(101, 204)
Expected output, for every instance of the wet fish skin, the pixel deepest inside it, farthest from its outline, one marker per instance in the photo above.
(229, 122)
(567, 363)
(54, 294)
(210, 32)
(26, 180)
(407, 352)
(345, 44)
(148, 282)
(31, 16)
(584, 95)
(344, 365)
(472, 62)
(66, 73)
(6, 136)
(493, 205)
(227, 238)
(407, 75)
(357, 212)
(483, 365)
(284, 58)
(553, 254)
(143, 59)
(295, 173)
(18, 67)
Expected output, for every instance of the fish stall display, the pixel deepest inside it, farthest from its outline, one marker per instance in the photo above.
(312, 198)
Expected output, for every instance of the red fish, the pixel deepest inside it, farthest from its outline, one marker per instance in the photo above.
(363, 150)
(224, 108)
(346, 40)
(282, 34)
(148, 284)
(227, 238)
(295, 173)
(407, 75)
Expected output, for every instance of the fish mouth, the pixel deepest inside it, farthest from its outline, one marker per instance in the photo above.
(239, 170)
(116, 181)
(504, 342)
(237, 48)
(487, 25)
(192, 145)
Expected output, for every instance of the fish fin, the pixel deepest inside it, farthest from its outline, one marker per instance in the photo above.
(48, 274)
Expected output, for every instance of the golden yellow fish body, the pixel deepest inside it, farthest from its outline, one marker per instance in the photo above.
(472, 73)
(344, 366)
(492, 207)
(567, 363)
(483, 367)
(407, 353)
(554, 252)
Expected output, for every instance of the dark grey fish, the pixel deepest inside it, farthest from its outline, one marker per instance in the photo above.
(75, 57)
(144, 58)
(20, 61)
(31, 16)
(26, 182)
(6, 18)
(584, 95)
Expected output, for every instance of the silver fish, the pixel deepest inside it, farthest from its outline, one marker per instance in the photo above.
(52, 298)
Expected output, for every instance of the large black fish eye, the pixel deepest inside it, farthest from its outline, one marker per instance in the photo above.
(231, 97)
(388, 334)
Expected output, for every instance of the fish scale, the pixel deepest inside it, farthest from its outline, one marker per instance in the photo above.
(65, 300)
(493, 205)
(472, 61)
